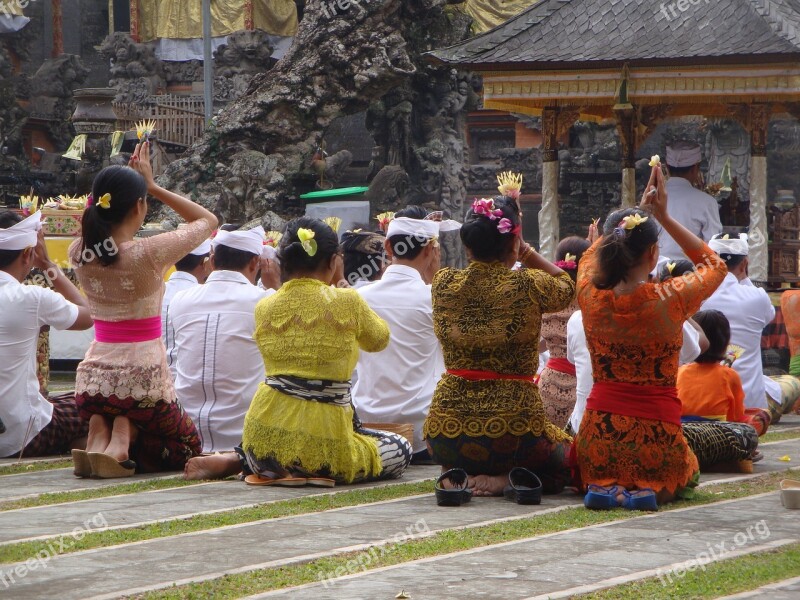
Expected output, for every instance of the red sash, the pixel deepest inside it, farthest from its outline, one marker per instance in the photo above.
(562, 365)
(124, 332)
(470, 375)
(656, 402)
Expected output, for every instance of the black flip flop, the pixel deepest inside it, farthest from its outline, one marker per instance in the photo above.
(524, 487)
(456, 496)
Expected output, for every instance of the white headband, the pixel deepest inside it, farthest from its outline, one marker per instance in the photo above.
(23, 235)
(251, 241)
(202, 249)
(727, 245)
(684, 154)
(413, 227)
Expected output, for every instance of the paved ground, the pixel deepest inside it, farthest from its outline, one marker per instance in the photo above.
(558, 565)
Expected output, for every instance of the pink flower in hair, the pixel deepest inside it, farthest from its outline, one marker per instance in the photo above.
(505, 225)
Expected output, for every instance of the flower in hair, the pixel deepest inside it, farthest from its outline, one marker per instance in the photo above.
(485, 207)
(104, 201)
(306, 237)
(570, 258)
(671, 267)
(632, 221)
(566, 264)
(510, 184)
(505, 225)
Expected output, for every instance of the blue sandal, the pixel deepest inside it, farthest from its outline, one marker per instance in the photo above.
(602, 498)
(644, 499)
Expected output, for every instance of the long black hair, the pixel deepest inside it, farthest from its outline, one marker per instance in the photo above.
(481, 235)
(126, 187)
(718, 331)
(294, 258)
(622, 249)
(575, 246)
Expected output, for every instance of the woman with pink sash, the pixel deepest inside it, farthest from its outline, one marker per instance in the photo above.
(123, 385)
(630, 448)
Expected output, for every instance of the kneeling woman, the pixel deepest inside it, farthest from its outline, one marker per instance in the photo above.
(301, 427)
(486, 416)
(630, 437)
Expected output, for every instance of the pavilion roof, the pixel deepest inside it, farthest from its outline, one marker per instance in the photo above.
(574, 33)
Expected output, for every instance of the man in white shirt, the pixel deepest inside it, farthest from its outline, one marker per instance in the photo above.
(694, 344)
(191, 270)
(397, 384)
(749, 310)
(34, 426)
(692, 208)
(217, 362)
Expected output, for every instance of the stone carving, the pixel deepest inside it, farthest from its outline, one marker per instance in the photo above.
(527, 161)
(182, 73)
(245, 54)
(336, 165)
(11, 119)
(135, 71)
(244, 181)
(51, 89)
(388, 189)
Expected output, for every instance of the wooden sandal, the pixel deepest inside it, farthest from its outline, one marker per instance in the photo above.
(321, 482)
(81, 465)
(108, 467)
(277, 481)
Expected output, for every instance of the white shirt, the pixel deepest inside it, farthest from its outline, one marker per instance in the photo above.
(397, 384)
(695, 210)
(217, 361)
(578, 355)
(177, 282)
(24, 309)
(749, 311)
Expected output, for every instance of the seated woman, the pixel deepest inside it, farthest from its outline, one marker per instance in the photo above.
(557, 382)
(712, 400)
(486, 416)
(301, 427)
(630, 437)
(123, 386)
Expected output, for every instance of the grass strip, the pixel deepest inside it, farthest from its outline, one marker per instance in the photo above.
(114, 490)
(282, 508)
(779, 436)
(49, 465)
(728, 576)
(336, 565)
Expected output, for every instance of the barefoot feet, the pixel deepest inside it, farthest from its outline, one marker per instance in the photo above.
(216, 466)
(488, 485)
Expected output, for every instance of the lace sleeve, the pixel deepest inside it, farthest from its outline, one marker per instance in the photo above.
(373, 332)
(689, 292)
(166, 249)
(587, 269)
(552, 294)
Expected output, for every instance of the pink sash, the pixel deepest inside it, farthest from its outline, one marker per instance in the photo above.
(125, 332)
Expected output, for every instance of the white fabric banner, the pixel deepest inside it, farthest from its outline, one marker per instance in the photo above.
(549, 224)
(182, 50)
(759, 237)
(12, 23)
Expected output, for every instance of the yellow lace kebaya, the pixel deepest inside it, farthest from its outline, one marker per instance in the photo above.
(312, 331)
(488, 318)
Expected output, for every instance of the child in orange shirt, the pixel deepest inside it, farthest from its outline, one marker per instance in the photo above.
(708, 389)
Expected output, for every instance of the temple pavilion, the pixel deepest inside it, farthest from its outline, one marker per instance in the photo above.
(641, 63)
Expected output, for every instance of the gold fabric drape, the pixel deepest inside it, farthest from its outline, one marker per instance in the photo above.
(488, 14)
(183, 19)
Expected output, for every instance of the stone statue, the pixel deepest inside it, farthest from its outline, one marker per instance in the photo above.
(388, 189)
(245, 54)
(51, 89)
(135, 71)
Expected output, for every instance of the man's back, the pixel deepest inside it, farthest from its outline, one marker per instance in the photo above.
(748, 310)
(217, 362)
(23, 311)
(695, 210)
(396, 385)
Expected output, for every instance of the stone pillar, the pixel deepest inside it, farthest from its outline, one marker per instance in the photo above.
(626, 126)
(549, 224)
(759, 234)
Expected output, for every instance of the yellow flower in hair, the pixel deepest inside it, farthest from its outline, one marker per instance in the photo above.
(510, 184)
(655, 160)
(104, 201)
(570, 258)
(306, 237)
(671, 267)
(633, 221)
